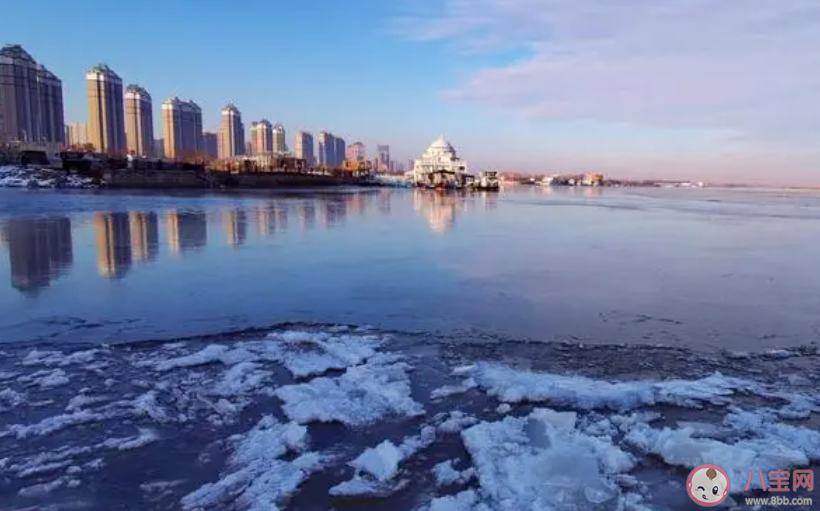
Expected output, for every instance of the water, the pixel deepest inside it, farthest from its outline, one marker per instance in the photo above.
(135, 359)
(679, 267)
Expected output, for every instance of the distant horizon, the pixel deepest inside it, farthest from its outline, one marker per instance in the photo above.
(574, 85)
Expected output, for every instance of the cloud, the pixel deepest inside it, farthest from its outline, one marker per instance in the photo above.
(750, 68)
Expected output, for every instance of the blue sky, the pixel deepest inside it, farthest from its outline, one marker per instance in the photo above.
(530, 85)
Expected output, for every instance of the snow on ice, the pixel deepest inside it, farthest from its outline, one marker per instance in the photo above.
(363, 395)
(257, 478)
(513, 386)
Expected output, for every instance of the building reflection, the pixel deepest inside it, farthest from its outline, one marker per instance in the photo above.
(384, 202)
(186, 231)
(307, 215)
(335, 212)
(236, 226)
(266, 221)
(144, 235)
(281, 218)
(113, 233)
(490, 199)
(440, 209)
(40, 250)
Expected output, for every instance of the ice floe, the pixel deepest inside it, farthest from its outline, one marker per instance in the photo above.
(446, 474)
(542, 462)
(513, 386)
(19, 177)
(257, 478)
(362, 395)
(314, 353)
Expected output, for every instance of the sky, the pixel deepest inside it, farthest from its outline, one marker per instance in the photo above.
(712, 90)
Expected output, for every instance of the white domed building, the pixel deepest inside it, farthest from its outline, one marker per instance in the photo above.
(440, 166)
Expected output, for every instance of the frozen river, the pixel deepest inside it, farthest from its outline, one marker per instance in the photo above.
(391, 349)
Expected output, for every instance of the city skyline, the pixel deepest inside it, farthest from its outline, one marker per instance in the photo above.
(571, 93)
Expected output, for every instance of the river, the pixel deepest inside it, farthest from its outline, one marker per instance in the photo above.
(243, 351)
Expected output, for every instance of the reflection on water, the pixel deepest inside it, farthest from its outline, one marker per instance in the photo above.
(144, 235)
(307, 215)
(186, 231)
(236, 226)
(440, 209)
(40, 250)
(113, 234)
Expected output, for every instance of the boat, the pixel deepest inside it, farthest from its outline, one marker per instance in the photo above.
(487, 181)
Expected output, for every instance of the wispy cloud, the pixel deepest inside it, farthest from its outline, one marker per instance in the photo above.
(749, 67)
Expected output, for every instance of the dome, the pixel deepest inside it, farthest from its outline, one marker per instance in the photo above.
(440, 147)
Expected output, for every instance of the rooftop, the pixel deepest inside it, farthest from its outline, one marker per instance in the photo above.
(16, 51)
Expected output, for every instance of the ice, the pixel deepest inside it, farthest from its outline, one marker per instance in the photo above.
(40, 490)
(503, 408)
(58, 358)
(82, 400)
(780, 354)
(314, 353)
(799, 407)
(10, 398)
(257, 479)
(215, 353)
(241, 379)
(360, 487)
(540, 462)
(46, 378)
(450, 390)
(762, 444)
(456, 421)
(514, 386)
(381, 462)
(144, 437)
(468, 500)
(147, 405)
(446, 474)
(56, 423)
(362, 395)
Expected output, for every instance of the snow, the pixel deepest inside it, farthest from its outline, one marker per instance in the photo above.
(241, 379)
(446, 474)
(456, 421)
(540, 462)
(514, 386)
(56, 423)
(144, 437)
(257, 478)
(314, 353)
(450, 390)
(82, 400)
(503, 408)
(362, 395)
(147, 405)
(468, 500)
(381, 462)
(40, 490)
(761, 444)
(19, 177)
(55, 378)
(51, 358)
(359, 487)
(10, 399)
(214, 353)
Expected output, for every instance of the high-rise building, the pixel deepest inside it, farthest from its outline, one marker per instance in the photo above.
(139, 121)
(19, 96)
(159, 148)
(182, 123)
(339, 153)
(280, 145)
(210, 142)
(76, 134)
(383, 155)
(303, 148)
(261, 138)
(325, 148)
(356, 152)
(106, 126)
(231, 133)
(52, 124)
